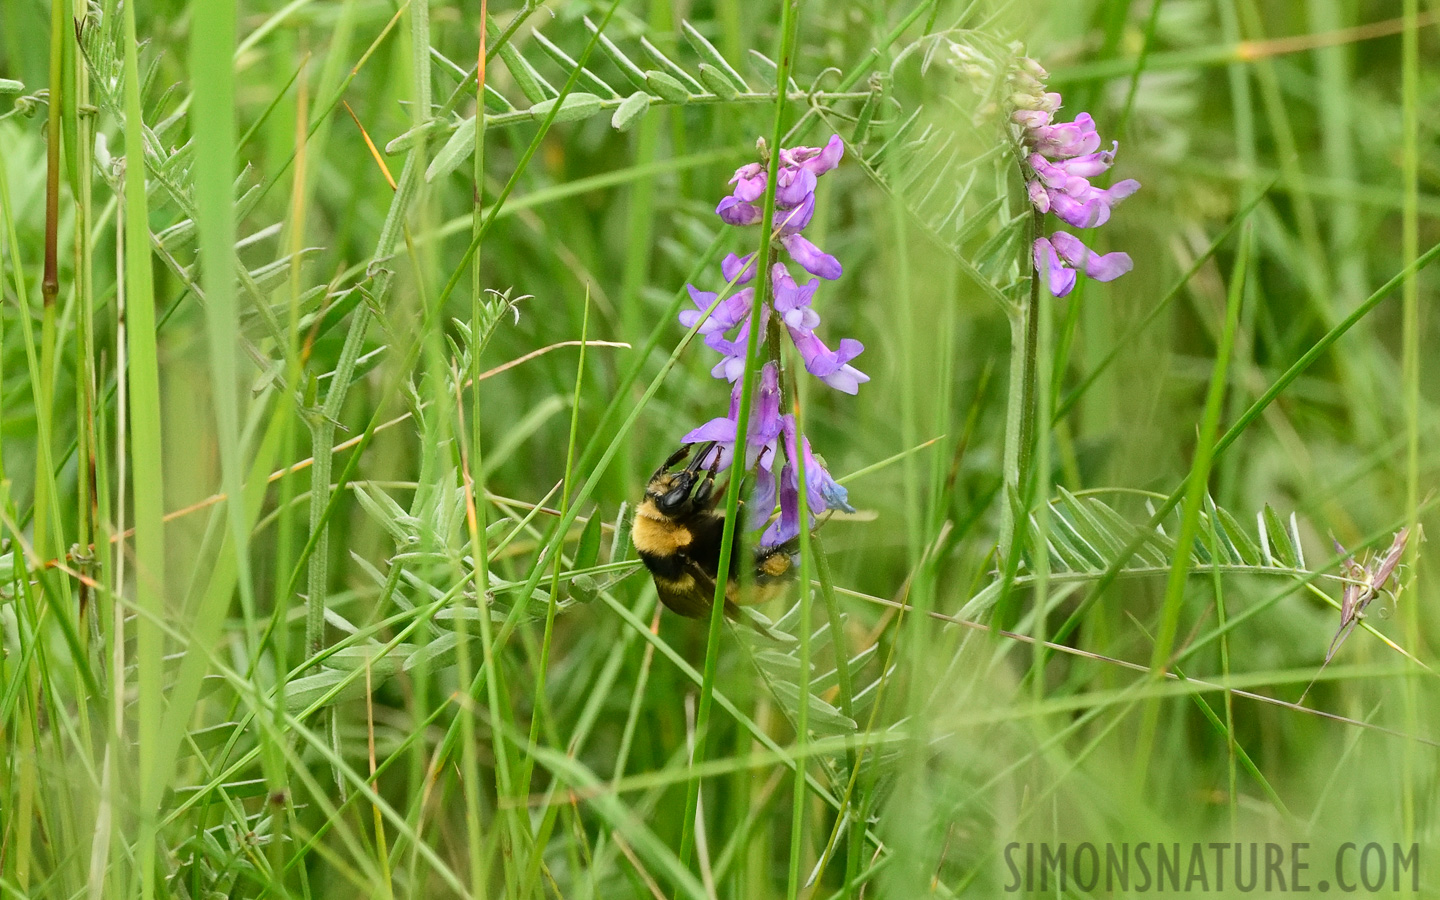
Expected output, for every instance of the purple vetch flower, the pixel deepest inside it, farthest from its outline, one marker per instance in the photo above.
(726, 330)
(816, 160)
(1039, 197)
(822, 491)
(739, 269)
(793, 186)
(831, 366)
(1066, 139)
(738, 212)
(1030, 118)
(1060, 159)
(811, 258)
(732, 352)
(761, 504)
(792, 301)
(793, 220)
(749, 181)
(728, 313)
(1059, 256)
(1061, 279)
(1101, 267)
(764, 430)
(787, 526)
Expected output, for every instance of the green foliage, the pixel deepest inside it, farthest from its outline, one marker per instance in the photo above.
(318, 459)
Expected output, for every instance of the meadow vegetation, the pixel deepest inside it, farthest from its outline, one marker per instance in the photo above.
(326, 403)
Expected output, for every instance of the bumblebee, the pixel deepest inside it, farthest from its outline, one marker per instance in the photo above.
(678, 532)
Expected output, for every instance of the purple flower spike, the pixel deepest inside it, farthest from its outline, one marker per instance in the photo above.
(811, 258)
(1060, 159)
(1107, 267)
(726, 330)
(1062, 280)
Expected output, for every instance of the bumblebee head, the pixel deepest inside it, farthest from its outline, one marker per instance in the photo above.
(678, 494)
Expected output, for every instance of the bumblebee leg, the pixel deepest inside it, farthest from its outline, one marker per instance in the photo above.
(701, 452)
(776, 563)
(675, 458)
(704, 490)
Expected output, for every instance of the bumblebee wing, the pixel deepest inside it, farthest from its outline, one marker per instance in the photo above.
(688, 591)
(692, 593)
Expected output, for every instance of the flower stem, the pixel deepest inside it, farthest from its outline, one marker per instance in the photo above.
(773, 336)
(689, 823)
(1020, 407)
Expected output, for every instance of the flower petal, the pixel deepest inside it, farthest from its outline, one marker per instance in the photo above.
(828, 158)
(1122, 189)
(1030, 118)
(1068, 139)
(1108, 267)
(793, 221)
(847, 379)
(830, 366)
(738, 212)
(765, 423)
(1070, 248)
(811, 258)
(722, 430)
(1061, 279)
(787, 527)
(730, 368)
(1039, 197)
(731, 266)
(708, 324)
(793, 185)
(1089, 165)
(789, 295)
(749, 181)
(801, 319)
(1088, 213)
(762, 499)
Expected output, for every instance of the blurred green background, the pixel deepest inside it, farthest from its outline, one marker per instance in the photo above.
(167, 728)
